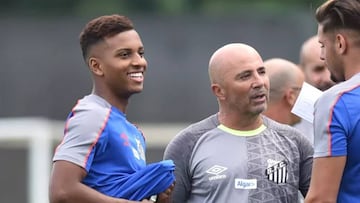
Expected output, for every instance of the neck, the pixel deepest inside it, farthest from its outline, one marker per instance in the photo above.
(352, 71)
(352, 63)
(278, 114)
(240, 122)
(116, 101)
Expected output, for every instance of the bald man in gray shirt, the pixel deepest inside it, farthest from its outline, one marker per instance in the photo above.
(237, 154)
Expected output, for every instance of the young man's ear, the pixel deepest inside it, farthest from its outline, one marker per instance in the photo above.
(340, 43)
(95, 66)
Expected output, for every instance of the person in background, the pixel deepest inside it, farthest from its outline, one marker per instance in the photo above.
(102, 154)
(316, 74)
(335, 175)
(237, 154)
(286, 79)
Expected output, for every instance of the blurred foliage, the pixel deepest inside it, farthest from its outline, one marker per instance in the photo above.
(160, 7)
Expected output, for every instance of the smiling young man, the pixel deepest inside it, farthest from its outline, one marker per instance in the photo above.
(336, 170)
(101, 148)
(237, 154)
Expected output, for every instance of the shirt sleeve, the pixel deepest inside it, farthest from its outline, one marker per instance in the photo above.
(82, 137)
(330, 124)
(306, 160)
(179, 150)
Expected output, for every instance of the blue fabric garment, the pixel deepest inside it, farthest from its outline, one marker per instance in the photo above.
(151, 180)
(99, 138)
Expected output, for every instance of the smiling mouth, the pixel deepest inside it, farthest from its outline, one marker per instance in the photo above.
(136, 76)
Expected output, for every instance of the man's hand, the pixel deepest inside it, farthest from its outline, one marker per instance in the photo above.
(164, 197)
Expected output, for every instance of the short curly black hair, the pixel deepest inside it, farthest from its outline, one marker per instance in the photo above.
(99, 28)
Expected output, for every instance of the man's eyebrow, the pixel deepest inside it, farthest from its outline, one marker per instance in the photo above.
(122, 49)
(128, 49)
(243, 73)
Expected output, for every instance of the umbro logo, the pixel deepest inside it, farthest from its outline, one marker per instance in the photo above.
(216, 171)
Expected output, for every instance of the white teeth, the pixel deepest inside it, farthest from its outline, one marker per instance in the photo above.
(136, 74)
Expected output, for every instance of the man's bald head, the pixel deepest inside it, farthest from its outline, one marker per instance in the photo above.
(228, 56)
(239, 82)
(316, 73)
(286, 79)
(282, 74)
(310, 50)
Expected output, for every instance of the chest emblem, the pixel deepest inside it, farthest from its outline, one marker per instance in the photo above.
(277, 171)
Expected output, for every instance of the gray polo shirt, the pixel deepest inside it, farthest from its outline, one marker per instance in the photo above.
(218, 164)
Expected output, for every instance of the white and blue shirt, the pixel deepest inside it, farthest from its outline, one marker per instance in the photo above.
(100, 139)
(337, 133)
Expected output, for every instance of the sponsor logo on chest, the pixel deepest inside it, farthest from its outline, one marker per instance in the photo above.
(276, 172)
(245, 183)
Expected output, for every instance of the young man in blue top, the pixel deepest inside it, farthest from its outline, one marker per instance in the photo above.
(101, 149)
(336, 169)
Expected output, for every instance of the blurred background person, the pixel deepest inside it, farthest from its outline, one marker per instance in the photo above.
(316, 74)
(286, 79)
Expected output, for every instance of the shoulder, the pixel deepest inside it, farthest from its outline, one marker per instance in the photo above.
(341, 91)
(91, 105)
(196, 130)
(280, 128)
(187, 138)
(286, 131)
(89, 114)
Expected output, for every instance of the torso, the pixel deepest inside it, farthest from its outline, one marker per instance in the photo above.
(99, 138)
